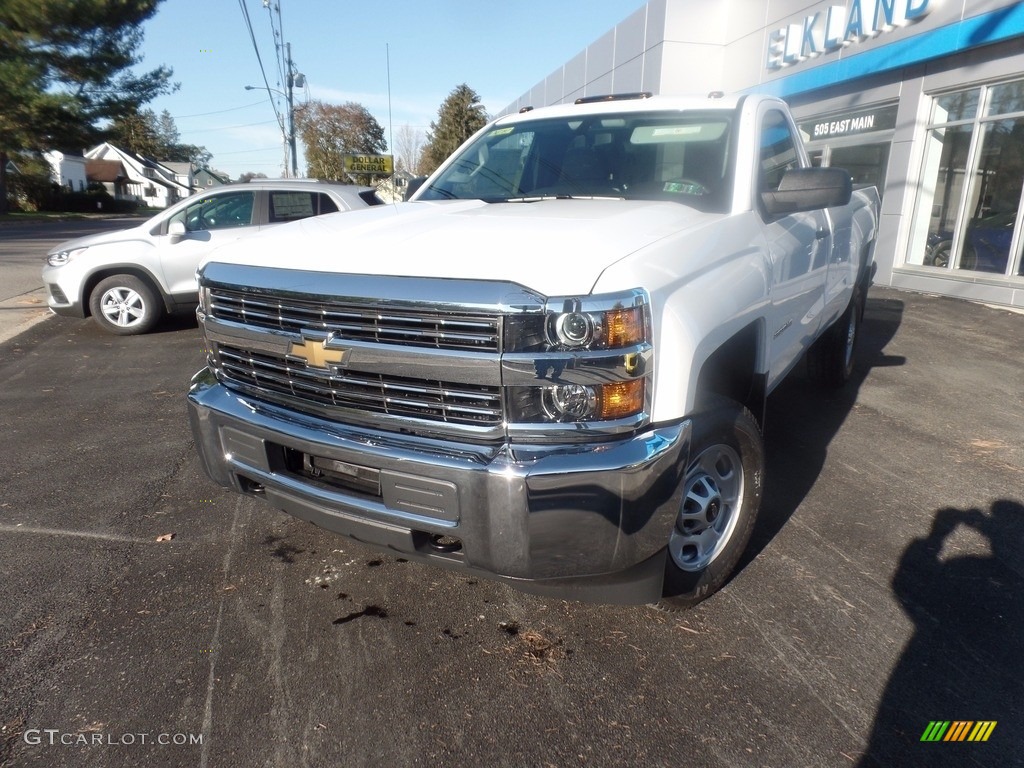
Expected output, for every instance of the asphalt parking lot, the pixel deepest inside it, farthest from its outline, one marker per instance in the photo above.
(149, 618)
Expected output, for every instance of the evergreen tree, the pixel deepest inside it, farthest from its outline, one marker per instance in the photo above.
(67, 66)
(460, 116)
(136, 132)
(167, 130)
(144, 133)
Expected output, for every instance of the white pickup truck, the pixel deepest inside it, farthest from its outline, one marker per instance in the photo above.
(550, 366)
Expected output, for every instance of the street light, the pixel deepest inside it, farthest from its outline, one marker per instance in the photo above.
(294, 78)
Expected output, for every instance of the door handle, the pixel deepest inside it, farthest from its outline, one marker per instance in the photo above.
(822, 233)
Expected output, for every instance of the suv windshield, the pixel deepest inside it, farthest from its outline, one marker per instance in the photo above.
(679, 156)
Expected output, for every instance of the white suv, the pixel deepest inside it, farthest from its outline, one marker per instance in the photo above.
(127, 279)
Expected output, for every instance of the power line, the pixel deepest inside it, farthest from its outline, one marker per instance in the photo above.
(219, 111)
(263, 72)
(278, 34)
(247, 151)
(229, 127)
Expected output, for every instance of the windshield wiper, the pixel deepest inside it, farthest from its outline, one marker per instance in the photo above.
(539, 198)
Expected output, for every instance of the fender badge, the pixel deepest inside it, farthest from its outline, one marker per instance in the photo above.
(316, 353)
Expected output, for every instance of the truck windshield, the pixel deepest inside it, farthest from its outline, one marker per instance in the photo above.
(679, 156)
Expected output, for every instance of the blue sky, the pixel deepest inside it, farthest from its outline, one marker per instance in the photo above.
(498, 49)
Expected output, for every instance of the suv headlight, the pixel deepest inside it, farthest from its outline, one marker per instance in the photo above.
(63, 257)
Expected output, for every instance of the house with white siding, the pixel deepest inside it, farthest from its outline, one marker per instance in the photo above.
(148, 181)
(67, 170)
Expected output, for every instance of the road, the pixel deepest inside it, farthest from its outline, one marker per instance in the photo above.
(883, 589)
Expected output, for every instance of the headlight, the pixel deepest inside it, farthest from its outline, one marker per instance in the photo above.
(574, 329)
(63, 257)
(596, 402)
(569, 402)
(610, 329)
(584, 359)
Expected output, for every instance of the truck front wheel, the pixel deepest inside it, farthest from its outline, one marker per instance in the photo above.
(721, 495)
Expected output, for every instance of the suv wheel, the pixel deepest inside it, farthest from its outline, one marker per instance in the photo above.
(125, 305)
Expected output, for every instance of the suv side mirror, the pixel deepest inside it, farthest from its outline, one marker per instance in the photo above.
(176, 231)
(808, 189)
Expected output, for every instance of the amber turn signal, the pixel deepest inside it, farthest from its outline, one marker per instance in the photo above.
(624, 327)
(621, 399)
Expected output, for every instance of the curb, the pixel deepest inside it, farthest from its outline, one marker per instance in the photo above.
(19, 313)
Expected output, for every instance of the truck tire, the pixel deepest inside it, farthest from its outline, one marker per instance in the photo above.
(125, 305)
(721, 495)
(831, 358)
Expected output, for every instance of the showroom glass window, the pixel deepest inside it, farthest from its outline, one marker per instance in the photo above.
(857, 140)
(969, 210)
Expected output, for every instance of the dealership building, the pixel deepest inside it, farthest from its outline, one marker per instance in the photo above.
(922, 98)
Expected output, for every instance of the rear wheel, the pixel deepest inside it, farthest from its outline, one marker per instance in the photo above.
(721, 495)
(830, 359)
(125, 305)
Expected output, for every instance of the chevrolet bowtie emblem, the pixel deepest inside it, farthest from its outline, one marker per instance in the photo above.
(317, 354)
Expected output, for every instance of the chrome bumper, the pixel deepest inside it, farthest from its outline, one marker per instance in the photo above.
(586, 521)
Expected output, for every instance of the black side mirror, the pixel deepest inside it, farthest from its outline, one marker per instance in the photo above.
(413, 185)
(808, 189)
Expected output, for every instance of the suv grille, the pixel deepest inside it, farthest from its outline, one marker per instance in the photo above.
(436, 330)
(277, 378)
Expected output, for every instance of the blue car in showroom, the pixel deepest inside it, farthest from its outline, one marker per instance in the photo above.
(987, 246)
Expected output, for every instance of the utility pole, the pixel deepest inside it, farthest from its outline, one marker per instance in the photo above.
(292, 76)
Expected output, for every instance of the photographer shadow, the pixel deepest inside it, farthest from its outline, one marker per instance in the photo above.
(965, 660)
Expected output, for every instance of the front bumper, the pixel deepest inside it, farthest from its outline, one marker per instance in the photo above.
(583, 522)
(63, 291)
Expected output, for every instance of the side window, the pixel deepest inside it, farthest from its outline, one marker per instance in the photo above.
(326, 204)
(778, 151)
(231, 209)
(291, 206)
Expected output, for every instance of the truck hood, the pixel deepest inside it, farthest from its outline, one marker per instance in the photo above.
(557, 247)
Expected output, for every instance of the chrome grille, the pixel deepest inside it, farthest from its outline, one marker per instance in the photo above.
(435, 329)
(278, 378)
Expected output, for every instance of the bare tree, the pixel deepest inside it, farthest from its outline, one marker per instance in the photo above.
(408, 149)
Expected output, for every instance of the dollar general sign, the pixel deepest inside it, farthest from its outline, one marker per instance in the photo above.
(378, 165)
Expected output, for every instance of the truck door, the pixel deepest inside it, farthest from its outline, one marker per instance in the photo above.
(798, 249)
